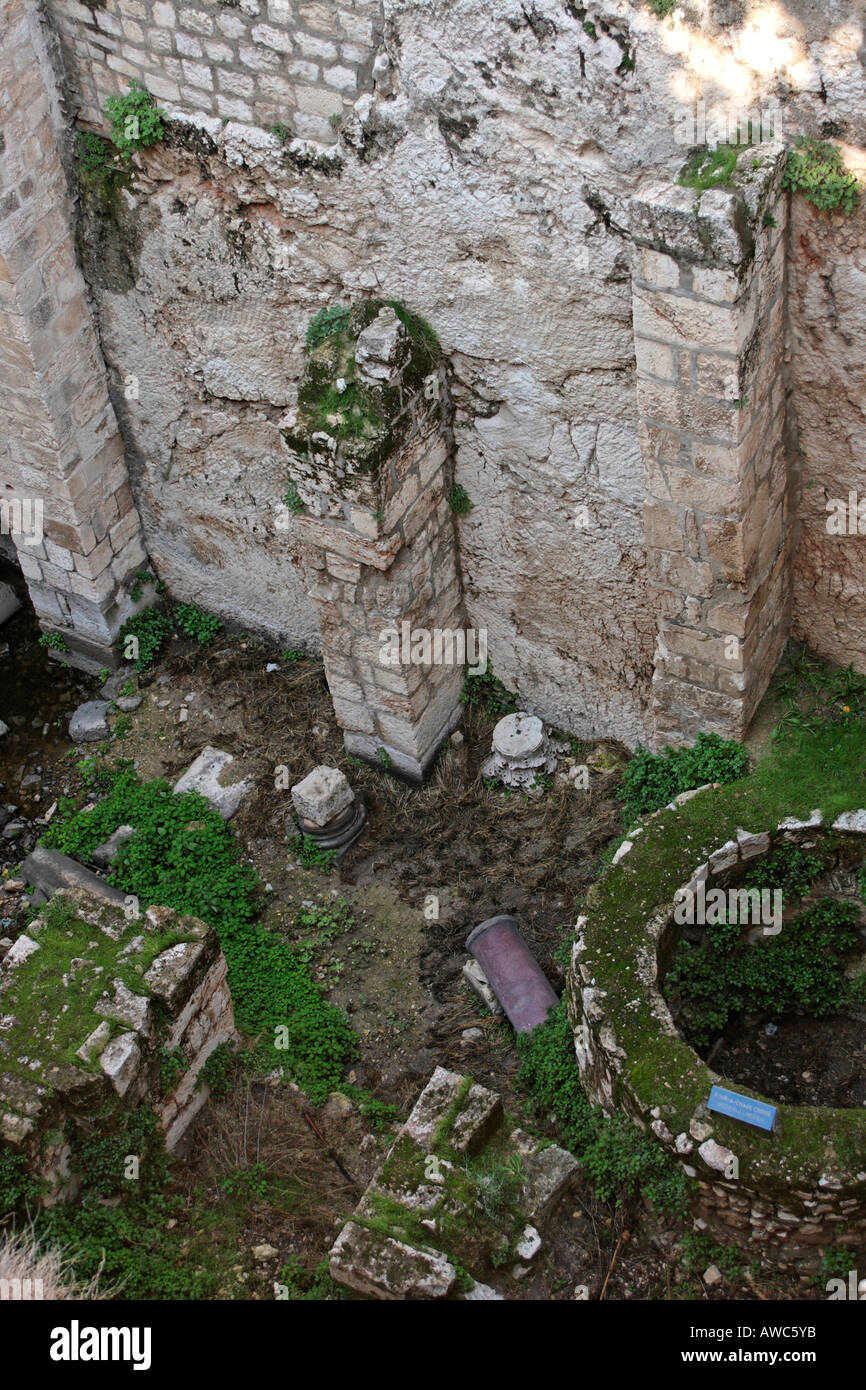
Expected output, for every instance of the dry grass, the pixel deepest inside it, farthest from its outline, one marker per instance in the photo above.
(39, 1272)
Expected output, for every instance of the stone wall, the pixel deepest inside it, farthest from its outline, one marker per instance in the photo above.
(483, 174)
(62, 456)
(828, 351)
(782, 1198)
(267, 62)
(94, 1056)
(709, 315)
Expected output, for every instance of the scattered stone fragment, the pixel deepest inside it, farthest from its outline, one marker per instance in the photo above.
(48, 871)
(529, 1244)
(482, 1293)
(89, 723)
(105, 853)
(385, 1268)
(380, 348)
(712, 1276)
(4, 728)
(322, 795)
(479, 983)
(265, 1252)
(127, 703)
(205, 776)
(23, 947)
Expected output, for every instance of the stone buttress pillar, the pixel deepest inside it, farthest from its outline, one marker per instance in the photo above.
(369, 459)
(709, 315)
(64, 492)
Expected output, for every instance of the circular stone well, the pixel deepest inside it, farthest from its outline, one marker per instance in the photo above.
(784, 1197)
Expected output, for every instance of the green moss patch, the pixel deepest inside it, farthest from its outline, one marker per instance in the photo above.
(825, 769)
(53, 992)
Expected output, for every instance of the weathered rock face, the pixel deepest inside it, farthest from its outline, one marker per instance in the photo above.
(484, 167)
(827, 305)
(91, 1001)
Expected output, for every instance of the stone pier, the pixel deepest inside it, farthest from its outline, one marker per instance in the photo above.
(64, 492)
(709, 324)
(370, 463)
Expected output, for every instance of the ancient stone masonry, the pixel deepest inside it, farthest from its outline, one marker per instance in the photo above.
(782, 1197)
(510, 173)
(426, 1226)
(91, 1000)
(372, 467)
(63, 484)
(270, 62)
(709, 317)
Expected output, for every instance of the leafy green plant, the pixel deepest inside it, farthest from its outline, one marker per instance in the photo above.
(172, 1066)
(458, 500)
(305, 1285)
(133, 1247)
(154, 626)
(310, 852)
(282, 132)
(788, 868)
(651, 780)
(185, 856)
(219, 1070)
(324, 323)
(486, 693)
(815, 169)
(699, 1250)
(100, 1152)
(711, 168)
(383, 757)
(55, 640)
(249, 1182)
(142, 577)
(802, 969)
(19, 1188)
(293, 500)
(292, 654)
(135, 119)
(191, 621)
(662, 8)
(619, 1160)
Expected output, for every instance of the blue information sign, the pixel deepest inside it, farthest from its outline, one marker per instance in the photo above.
(751, 1112)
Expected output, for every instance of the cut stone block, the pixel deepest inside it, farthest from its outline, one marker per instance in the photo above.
(205, 776)
(120, 1061)
(547, 1174)
(322, 795)
(479, 1115)
(385, 1268)
(89, 724)
(169, 975)
(49, 871)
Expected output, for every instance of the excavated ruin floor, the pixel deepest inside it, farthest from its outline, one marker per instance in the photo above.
(396, 973)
